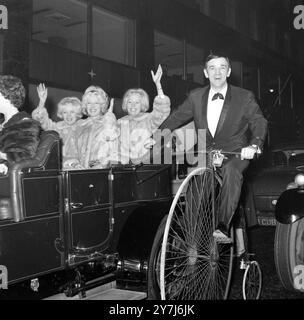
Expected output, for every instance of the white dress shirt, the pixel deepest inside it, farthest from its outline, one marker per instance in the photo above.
(214, 109)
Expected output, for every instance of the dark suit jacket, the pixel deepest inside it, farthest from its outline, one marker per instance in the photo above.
(240, 112)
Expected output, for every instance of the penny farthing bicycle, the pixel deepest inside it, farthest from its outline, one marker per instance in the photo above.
(193, 265)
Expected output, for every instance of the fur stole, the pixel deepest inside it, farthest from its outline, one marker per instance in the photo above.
(19, 137)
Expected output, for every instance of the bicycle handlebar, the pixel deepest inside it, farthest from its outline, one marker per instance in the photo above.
(207, 152)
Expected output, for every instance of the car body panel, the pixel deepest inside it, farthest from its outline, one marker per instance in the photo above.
(290, 206)
(53, 220)
(277, 169)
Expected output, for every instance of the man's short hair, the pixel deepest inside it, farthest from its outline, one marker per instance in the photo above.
(216, 55)
(12, 89)
(74, 101)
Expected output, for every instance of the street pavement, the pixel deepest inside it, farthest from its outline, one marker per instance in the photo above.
(261, 242)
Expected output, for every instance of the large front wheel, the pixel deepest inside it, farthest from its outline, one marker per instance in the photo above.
(154, 263)
(192, 265)
(289, 254)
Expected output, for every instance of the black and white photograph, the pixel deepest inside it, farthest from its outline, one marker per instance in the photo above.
(153, 151)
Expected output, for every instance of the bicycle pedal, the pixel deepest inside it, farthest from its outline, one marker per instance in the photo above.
(223, 240)
(240, 254)
(250, 254)
(220, 237)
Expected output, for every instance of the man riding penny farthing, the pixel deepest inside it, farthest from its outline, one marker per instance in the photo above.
(197, 248)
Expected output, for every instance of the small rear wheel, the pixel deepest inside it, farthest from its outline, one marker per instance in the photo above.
(252, 281)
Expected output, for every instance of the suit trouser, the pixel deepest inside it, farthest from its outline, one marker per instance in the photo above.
(232, 175)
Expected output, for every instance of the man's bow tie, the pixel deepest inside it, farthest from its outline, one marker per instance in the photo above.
(217, 96)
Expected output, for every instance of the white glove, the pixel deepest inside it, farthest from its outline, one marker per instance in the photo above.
(3, 169)
(248, 152)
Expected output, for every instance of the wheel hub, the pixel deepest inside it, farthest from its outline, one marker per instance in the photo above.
(192, 255)
(214, 256)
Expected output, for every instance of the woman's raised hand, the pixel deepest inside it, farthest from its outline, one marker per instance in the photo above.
(158, 75)
(157, 78)
(111, 105)
(42, 94)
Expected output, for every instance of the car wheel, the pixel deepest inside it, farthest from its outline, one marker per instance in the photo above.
(289, 254)
(154, 262)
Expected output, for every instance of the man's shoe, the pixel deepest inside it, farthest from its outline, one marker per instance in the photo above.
(219, 236)
(240, 254)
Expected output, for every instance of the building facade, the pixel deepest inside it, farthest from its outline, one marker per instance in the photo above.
(70, 44)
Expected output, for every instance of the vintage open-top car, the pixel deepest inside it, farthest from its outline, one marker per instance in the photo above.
(70, 233)
(95, 224)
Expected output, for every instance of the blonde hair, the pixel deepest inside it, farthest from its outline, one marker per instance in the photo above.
(143, 96)
(94, 91)
(75, 102)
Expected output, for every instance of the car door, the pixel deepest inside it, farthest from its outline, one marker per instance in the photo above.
(88, 212)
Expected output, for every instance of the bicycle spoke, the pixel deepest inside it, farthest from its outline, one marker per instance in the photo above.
(195, 267)
(252, 281)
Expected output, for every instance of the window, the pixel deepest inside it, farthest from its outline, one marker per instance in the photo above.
(204, 6)
(61, 22)
(189, 3)
(277, 158)
(218, 11)
(250, 78)
(270, 84)
(230, 13)
(113, 37)
(253, 25)
(169, 53)
(195, 64)
(272, 35)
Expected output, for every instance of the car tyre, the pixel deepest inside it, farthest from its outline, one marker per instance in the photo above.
(289, 253)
